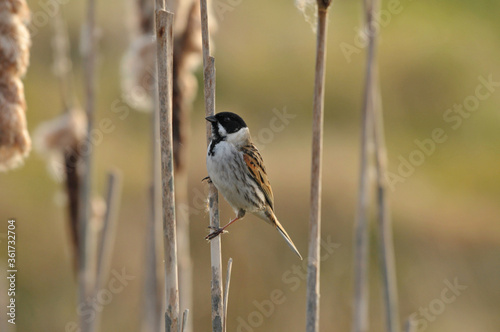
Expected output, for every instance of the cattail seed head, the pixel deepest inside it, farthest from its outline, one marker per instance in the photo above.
(14, 45)
(15, 142)
(59, 136)
(16, 7)
(138, 72)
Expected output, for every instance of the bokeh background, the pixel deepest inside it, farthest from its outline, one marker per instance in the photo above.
(446, 213)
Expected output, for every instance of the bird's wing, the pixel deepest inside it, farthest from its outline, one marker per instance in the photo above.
(257, 171)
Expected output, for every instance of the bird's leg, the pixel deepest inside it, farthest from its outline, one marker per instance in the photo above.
(217, 231)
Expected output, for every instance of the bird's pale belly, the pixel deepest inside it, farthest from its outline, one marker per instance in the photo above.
(228, 172)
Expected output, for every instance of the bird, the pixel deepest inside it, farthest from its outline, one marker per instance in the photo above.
(237, 170)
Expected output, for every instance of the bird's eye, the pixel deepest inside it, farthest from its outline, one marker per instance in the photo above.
(227, 119)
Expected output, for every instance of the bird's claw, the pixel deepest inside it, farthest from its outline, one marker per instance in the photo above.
(207, 178)
(215, 233)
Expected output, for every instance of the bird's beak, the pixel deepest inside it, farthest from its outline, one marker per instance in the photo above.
(211, 119)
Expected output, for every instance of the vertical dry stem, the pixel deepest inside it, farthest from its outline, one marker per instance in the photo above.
(164, 38)
(361, 272)
(373, 130)
(153, 301)
(226, 293)
(361, 241)
(313, 266)
(107, 237)
(385, 241)
(62, 70)
(213, 199)
(84, 259)
(152, 287)
(213, 204)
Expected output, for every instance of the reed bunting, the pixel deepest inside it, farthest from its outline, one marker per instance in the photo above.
(237, 170)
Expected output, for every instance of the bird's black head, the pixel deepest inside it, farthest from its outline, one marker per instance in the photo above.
(230, 122)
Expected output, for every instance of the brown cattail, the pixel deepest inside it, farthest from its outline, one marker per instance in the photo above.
(138, 63)
(14, 44)
(138, 72)
(59, 141)
(17, 7)
(15, 142)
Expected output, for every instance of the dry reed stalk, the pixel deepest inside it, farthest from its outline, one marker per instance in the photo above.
(140, 91)
(153, 286)
(85, 260)
(385, 240)
(71, 152)
(187, 56)
(138, 85)
(373, 132)
(217, 292)
(106, 238)
(59, 140)
(226, 293)
(164, 38)
(361, 237)
(15, 42)
(313, 264)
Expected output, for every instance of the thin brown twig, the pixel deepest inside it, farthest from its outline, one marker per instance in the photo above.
(313, 265)
(164, 38)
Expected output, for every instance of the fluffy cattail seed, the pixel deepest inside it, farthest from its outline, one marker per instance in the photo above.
(15, 42)
(59, 137)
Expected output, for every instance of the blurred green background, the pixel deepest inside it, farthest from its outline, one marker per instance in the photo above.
(446, 214)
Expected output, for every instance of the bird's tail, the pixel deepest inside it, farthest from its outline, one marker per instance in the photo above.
(286, 237)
